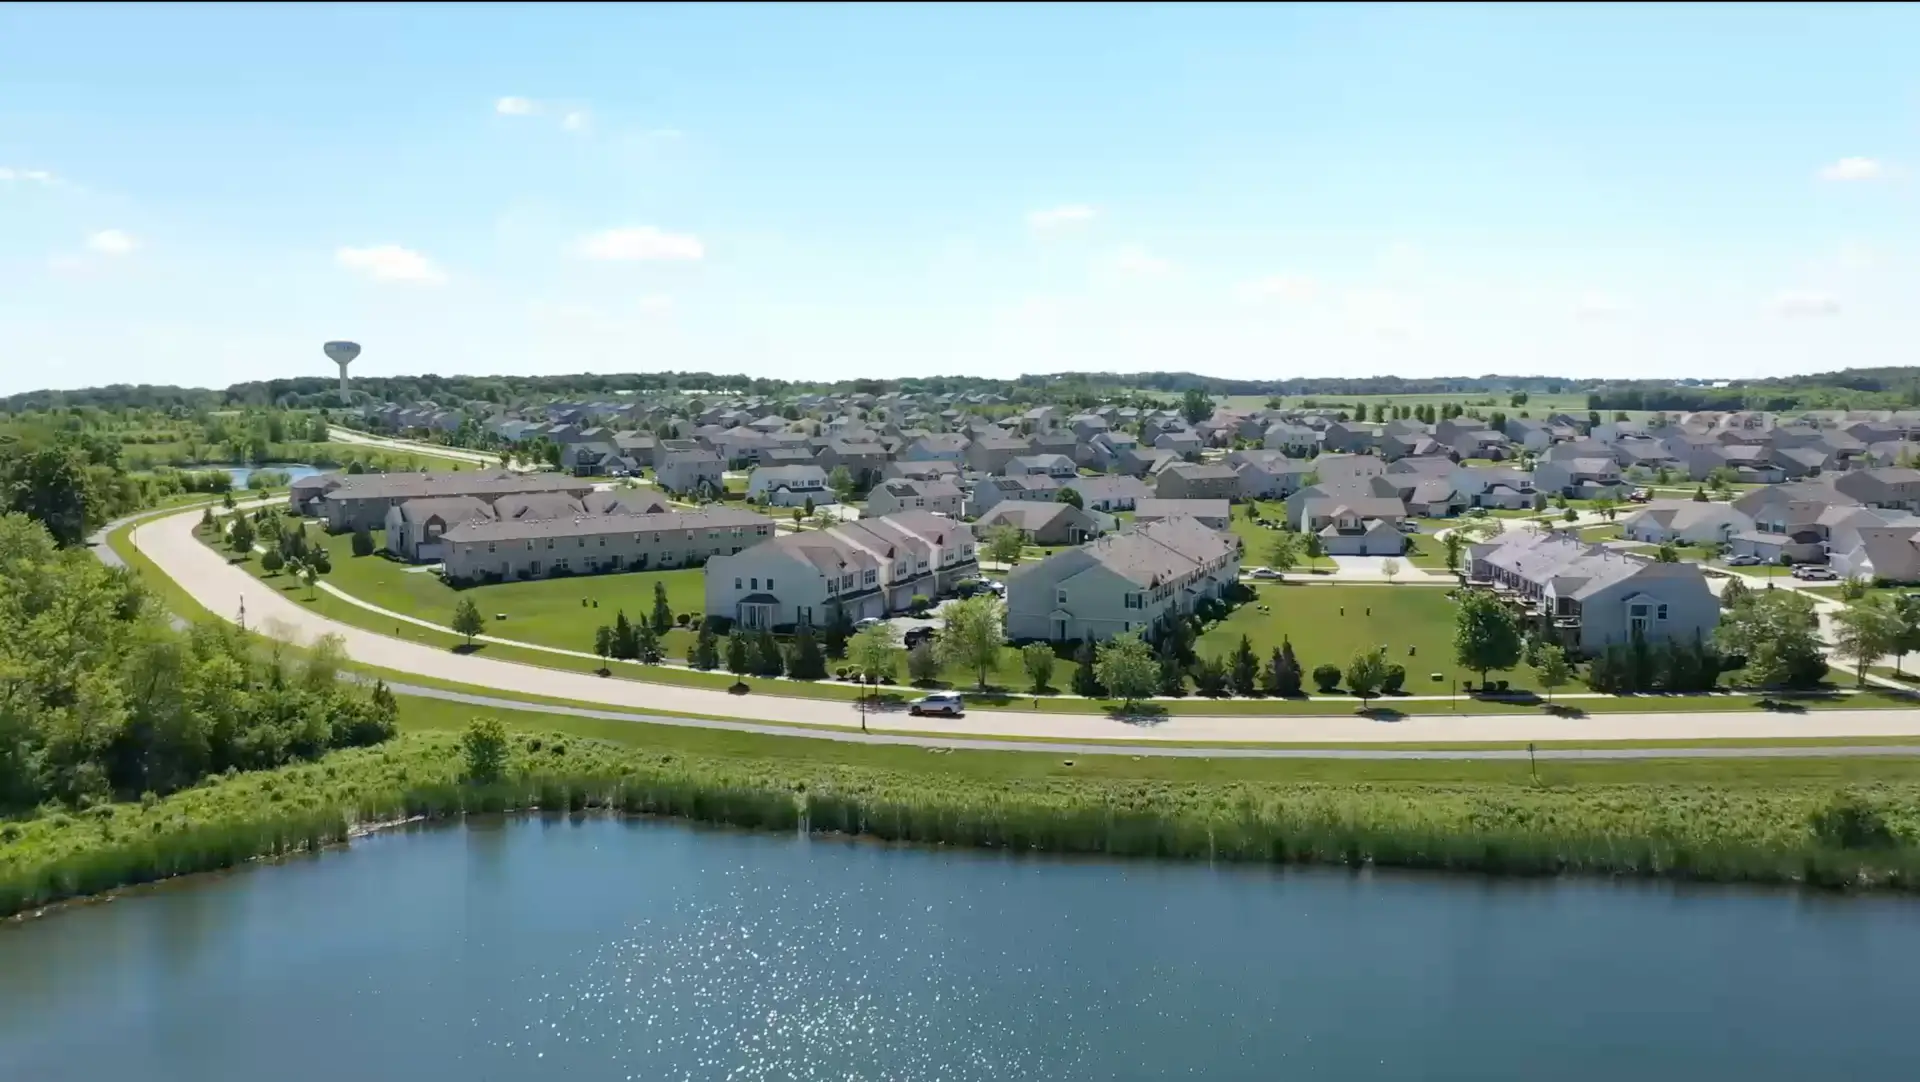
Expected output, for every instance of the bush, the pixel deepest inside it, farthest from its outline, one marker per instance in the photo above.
(362, 542)
(1326, 677)
(918, 604)
(1394, 681)
(685, 619)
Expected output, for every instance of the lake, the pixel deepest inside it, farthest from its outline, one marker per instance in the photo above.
(294, 472)
(607, 949)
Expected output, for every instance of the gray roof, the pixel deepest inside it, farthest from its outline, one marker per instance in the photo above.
(1203, 471)
(592, 525)
(1157, 508)
(1153, 552)
(1110, 487)
(488, 484)
(446, 509)
(1024, 514)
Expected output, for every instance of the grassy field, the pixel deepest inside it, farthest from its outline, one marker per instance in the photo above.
(1332, 623)
(1831, 821)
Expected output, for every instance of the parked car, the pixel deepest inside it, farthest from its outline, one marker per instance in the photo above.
(1814, 573)
(1639, 495)
(1743, 561)
(916, 636)
(940, 702)
(1264, 573)
(862, 625)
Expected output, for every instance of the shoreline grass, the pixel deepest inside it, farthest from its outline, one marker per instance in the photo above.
(1852, 823)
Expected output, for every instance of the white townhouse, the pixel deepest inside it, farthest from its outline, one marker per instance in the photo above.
(870, 567)
(790, 486)
(1120, 583)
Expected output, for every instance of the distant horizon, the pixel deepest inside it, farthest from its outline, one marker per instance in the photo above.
(208, 193)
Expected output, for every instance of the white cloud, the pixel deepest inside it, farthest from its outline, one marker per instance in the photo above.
(111, 242)
(1133, 259)
(576, 120)
(9, 173)
(641, 243)
(1598, 305)
(1856, 169)
(656, 302)
(1806, 305)
(1289, 288)
(1061, 217)
(390, 263)
(514, 107)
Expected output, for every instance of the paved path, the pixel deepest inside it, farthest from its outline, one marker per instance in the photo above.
(458, 454)
(169, 541)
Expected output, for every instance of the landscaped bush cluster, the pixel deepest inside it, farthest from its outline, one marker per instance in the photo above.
(1641, 666)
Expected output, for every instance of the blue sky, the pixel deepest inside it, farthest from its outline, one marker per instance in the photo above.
(203, 195)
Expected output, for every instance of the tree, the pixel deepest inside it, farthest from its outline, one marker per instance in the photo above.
(1071, 497)
(704, 654)
(1244, 668)
(872, 652)
(1366, 672)
(1195, 406)
(1907, 607)
(767, 657)
(1004, 544)
(1699, 495)
(1736, 592)
(1326, 677)
(1667, 553)
(1283, 551)
(1389, 567)
(1037, 659)
(310, 575)
(50, 485)
(466, 619)
(804, 659)
(838, 630)
(1485, 634)
(240, 535)
(485, 745)
(923, 664)
(1453, 545)
(1126, 668)
(362, 542)
(1778, 635)
(1282, 676)
(841, 482)
(1551, 669)
(972, 634)
(1865, 630)
(271, 561)
(603, 644)
(1606, 505)
(662, 612)
(739, 654)
(1086, 674)
(1314, 550)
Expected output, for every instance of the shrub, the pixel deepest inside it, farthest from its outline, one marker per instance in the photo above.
(1326, 677)
(1395, 680)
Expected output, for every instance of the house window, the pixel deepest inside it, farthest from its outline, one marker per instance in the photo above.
(1133, 602)
(1661, 613)
(1060, 597)
(736, 583)
(755, 582)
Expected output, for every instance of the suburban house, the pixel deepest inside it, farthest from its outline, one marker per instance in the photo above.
(689, 471)
(1267, 475)
(1494, 487)
(1059, 467)
(1356, 526)
(362, 500)
(989, 491)
(922, 470)
(937, 447)
(503, 550)
(869, 568)
(1685, 521)
(1214, 514)
(1579, 478)
(1890, 486)
(1296, 441)
(1120, 583)
(1110, 493)
(1881, 553)
(1335, 468)
(863, 460)
(305, 494)
(1044, 523)
(789, 486)
(1790, 521)
(1185, 444)
(990, 454)
(941, 497)
(1197, 481)
(1104, 450)
(1590, 597)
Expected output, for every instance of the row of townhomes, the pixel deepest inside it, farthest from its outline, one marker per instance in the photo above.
(1122, 582)
(1588, 597)
(868, 568)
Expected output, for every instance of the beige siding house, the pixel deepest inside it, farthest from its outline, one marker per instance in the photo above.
(869, 567)
(893, 497)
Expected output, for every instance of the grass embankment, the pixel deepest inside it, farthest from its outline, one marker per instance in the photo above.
(1828, 822)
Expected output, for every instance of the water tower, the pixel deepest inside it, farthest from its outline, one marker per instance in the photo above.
(342, 354)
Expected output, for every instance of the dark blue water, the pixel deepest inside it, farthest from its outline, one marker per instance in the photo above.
(634, 950)
(294, 472)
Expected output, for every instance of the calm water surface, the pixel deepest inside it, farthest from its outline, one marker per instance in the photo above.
(602, 949)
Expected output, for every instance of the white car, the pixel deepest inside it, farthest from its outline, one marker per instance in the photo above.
(862, 625)
(940, 702)
(1264, 573)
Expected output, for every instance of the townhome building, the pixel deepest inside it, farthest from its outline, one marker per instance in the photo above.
(414, 527)
(1213, 513)
(1267, 475)
(1044, 523)
(1588, 597)
(989, 491)
(1109, 493)
(362, 500)
(508, 550)
(868, 568)
(1120, 583)
(1059, 467)
(1197, 481)
(1686, 522)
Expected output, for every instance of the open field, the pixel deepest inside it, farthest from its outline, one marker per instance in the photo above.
(1329, 624)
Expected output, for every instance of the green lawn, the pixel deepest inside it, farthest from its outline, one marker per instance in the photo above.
(1329, 624)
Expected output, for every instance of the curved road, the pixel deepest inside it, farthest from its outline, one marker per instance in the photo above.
(168, 540)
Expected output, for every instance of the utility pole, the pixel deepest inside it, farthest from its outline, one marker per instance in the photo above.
(243, 612)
